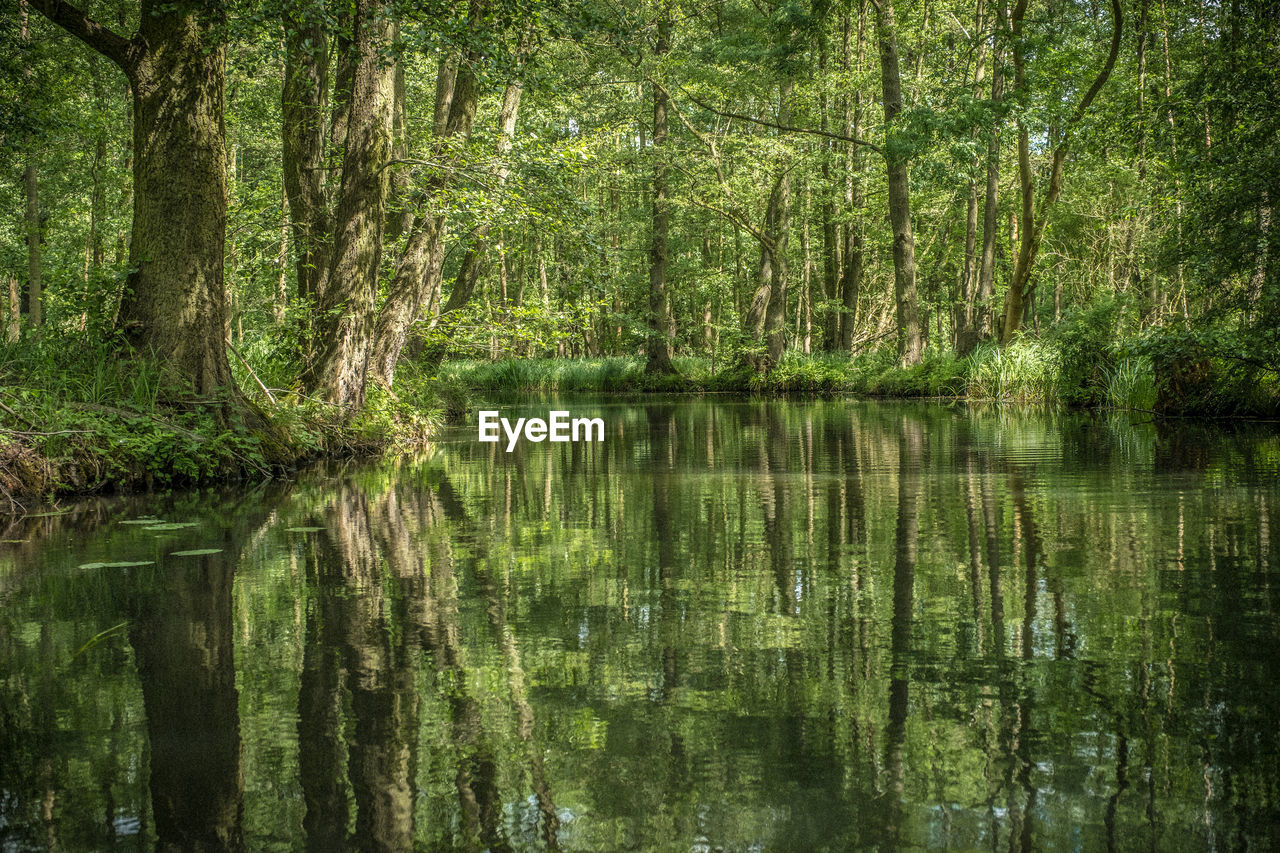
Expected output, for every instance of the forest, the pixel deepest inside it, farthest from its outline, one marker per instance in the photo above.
(240, 234)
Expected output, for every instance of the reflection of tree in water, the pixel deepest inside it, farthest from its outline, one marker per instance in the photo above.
(183, 642)
(729, 631)
(384, 597)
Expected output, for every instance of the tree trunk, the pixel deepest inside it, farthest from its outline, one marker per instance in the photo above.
(31, 184)
(775, 325)
(344, 321)
(13, 324)
(854, 261)
(658, 346)
(35, 296)
(828, 317)
(174, 302)
(303, 102)
(910, 342)
(966, 336)
(416, 284)
(984, 310)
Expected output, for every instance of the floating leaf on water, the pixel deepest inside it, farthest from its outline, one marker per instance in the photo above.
(120, 565)
(303, 529)
(14, 541)
(142, 521)
(171, 525)
(199, 552)
(46, 514)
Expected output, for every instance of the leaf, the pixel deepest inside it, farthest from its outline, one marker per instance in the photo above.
(303, 529)
(120, 565)
(172, 525)
(142, 521)
(199, 552)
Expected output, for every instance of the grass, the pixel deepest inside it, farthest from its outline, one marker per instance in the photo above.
(79, 417)
(1024, 372)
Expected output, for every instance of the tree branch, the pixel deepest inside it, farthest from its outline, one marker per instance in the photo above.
(113, 46)
(784, 127)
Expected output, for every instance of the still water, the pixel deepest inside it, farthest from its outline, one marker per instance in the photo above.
(737, 626)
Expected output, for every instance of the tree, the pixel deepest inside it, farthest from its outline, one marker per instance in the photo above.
(1033, 221)
(660, 320)
(910, 342)
(174, 302)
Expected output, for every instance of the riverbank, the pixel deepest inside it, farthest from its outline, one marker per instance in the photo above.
(77, 419)
(1181, 378)
(1023, 373)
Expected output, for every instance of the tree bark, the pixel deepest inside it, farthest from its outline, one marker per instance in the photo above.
(910, 341)
(31, 186)
(966, 335)
(775, 325)
(35, 296)
(828, 317)
(303, 102)
(344, 322)
(13, 324)
(173, 304)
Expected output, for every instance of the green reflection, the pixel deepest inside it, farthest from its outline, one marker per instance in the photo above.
(769, 625)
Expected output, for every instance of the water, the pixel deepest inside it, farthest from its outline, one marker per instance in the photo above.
(738, 626)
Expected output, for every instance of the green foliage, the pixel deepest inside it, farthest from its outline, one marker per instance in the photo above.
(1026, 371)
(1086, 353)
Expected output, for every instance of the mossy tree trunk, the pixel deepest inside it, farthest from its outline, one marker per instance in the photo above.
(348, 284)
(173, 303)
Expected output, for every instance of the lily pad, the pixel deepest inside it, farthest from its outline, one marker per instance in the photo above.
(303, 529)
(142, 521)
(171, 525)
(199, 552)
(119, 565)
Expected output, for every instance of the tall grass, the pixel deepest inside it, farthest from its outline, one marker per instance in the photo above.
(1025, 371)
(1131, 385)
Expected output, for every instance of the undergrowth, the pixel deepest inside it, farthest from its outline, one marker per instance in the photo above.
(79, 417)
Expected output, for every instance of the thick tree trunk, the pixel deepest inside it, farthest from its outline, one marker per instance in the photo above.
(303, 102)
(344, 322)
(173, 304)
(659, 345)
(910, 341)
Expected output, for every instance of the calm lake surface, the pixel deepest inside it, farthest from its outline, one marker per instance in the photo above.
(738, 626)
